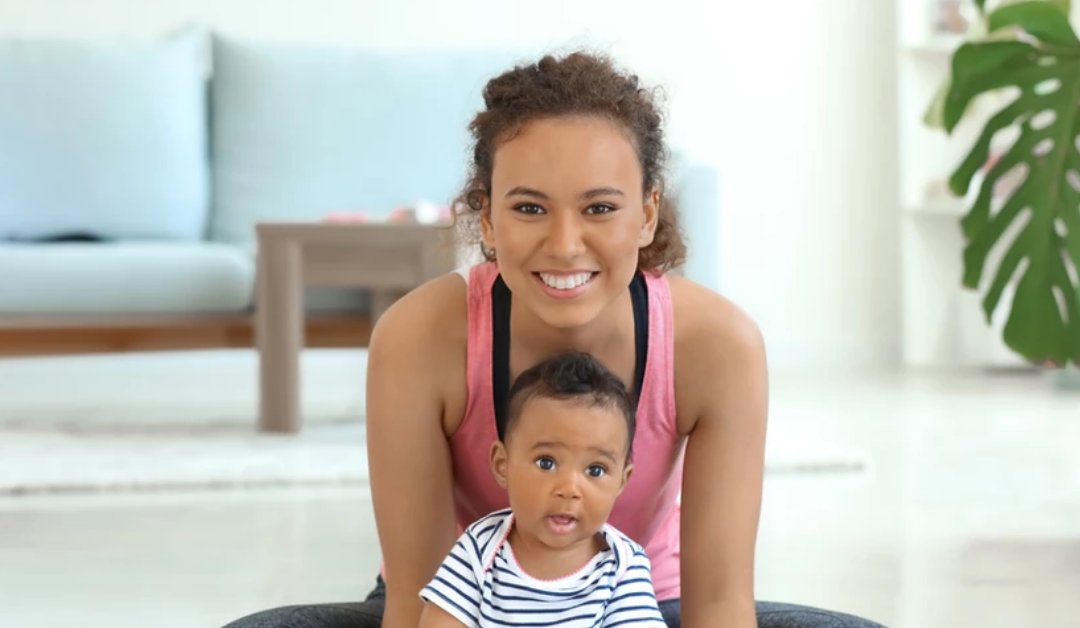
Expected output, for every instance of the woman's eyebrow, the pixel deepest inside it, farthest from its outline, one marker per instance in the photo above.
(602, 192)
(524, 191)
(593, 193)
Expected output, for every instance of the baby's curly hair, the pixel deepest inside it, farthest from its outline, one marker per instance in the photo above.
(579, 84)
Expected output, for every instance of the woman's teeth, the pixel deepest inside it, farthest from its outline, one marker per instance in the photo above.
(565, 282)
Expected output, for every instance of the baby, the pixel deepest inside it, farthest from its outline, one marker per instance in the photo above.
(551, 559)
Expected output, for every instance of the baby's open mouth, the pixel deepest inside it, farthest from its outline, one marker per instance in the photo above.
(562, 524)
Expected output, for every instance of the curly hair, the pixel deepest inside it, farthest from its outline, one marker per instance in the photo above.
(579, 84)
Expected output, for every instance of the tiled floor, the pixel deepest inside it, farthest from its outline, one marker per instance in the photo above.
(969, 515)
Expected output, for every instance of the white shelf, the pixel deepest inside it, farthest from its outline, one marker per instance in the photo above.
(936, 45)
(955, 208)
(944, 325)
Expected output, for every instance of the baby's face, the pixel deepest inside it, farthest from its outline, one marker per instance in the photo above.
(563, 467)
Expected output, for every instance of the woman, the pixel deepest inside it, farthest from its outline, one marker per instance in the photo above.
(567, 201)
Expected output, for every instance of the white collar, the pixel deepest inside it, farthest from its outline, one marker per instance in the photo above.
(620, 547)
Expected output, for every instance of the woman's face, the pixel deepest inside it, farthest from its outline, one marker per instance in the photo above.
(567, 217)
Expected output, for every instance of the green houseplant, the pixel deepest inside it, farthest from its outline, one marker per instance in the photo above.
(1029, 46)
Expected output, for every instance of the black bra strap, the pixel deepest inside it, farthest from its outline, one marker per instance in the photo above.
(500, 351)
(639, 298)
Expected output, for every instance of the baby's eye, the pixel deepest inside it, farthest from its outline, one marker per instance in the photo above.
(529, 209)
(547, 464)
(596, 471)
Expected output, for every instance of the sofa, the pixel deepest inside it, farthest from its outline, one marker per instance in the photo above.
(132, 173)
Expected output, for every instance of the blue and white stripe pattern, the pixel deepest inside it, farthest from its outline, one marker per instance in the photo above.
(481, 584)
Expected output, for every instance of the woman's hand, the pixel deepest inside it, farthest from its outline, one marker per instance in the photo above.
(411, 360)
(722, 399)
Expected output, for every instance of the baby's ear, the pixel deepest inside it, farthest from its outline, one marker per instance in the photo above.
(628, 470)
(499, 462)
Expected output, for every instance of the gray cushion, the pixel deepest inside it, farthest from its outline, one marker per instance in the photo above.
(124, 278)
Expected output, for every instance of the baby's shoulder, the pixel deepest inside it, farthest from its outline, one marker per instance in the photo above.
(617, 540)
(484, 536)
(627, 555)
(488, 524)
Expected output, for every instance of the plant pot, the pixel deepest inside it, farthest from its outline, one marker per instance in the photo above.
(1068, 378)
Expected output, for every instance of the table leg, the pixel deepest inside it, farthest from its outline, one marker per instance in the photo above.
(280, 335)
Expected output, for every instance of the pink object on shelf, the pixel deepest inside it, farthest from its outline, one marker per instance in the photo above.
(422, 212)
(346, 217)
(402, 214)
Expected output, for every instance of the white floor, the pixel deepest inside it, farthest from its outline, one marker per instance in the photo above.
(967, 515)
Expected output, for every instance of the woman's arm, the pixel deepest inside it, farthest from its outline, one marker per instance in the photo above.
(722, 381)
(435, 617)
(411, 359)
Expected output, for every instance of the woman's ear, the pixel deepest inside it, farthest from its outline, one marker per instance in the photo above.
(499, 462)
(487, 227)
(652, 217)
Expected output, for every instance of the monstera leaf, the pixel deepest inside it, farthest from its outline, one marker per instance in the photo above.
(934, 116)
(1044, 210)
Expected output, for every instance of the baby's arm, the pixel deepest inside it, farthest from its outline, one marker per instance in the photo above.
(452, 598)
(633, 602)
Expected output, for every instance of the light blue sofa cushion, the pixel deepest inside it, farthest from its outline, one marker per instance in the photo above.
(301, 130)
(698, 189)
(105, 137)
(128, 277)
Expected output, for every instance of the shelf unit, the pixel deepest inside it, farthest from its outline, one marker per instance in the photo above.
(944, 325)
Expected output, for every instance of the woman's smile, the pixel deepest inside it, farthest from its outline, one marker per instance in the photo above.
(565, 285)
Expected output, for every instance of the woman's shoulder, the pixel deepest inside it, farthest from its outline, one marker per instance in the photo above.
(432, 319)
(710, 329)
(719, 353)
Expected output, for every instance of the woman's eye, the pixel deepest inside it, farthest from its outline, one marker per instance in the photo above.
(600, 208)
(547, 464)
(529, 208)
(596, 471)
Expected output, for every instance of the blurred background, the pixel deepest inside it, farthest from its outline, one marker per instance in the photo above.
(181, 443)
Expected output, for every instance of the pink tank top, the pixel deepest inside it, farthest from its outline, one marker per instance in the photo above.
(648, 509)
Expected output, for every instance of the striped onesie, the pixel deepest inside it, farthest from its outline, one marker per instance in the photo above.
(483, 586)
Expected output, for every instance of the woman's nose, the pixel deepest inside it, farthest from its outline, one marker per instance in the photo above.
(564, 239)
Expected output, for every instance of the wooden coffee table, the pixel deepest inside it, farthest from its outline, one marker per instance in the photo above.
(389, 259)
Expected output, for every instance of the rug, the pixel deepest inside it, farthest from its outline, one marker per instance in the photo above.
(208, 458)
(33, 462)
(168, 422)
(145, 391)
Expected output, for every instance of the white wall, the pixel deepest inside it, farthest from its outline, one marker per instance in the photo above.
(809, 229)
(793, 100)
